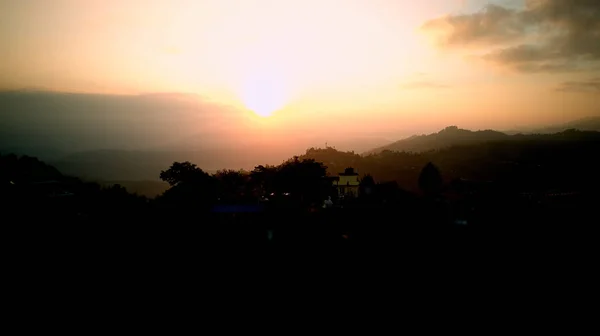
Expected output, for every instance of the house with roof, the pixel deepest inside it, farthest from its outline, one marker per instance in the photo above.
(347, 183)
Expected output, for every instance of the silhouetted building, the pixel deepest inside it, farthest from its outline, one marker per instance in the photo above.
(347, 183)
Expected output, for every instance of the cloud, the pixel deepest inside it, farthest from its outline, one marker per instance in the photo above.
(494, 24)
(531, 58)
(544, 36)
(423, 85)
(591, 85)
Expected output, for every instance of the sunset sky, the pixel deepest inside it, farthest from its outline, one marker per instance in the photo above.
(375, 64)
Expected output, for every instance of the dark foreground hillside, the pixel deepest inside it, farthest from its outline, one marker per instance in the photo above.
(54, 223)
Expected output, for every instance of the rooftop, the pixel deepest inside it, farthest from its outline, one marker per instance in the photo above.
(348, 172)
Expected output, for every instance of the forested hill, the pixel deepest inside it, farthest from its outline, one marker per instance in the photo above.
(563, 160)
(447, 137)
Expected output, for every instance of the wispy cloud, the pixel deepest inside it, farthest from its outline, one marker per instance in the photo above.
(591, 85)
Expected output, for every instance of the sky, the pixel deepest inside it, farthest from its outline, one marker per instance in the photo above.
(340, 67)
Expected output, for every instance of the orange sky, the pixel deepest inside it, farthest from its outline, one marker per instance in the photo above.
(358, 64)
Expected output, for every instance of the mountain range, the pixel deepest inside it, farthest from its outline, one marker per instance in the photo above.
(453, 136)
(449, 136)
(132, 138)
(122, 166)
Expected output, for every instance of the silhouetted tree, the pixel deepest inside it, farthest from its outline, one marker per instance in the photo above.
(304, 179)
(191, 188)
(233, 184)
(183, 172)
(367, 184)
(430, 180)
(262, 179)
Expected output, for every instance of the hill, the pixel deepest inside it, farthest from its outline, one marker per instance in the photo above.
(450, 136)
(562, 161)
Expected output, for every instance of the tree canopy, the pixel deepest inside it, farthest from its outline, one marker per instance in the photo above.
(183, 172)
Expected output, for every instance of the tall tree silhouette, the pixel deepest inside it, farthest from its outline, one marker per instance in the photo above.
(367, 184)
(430, 180)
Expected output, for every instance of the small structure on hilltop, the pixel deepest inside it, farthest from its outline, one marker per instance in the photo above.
(347, 183)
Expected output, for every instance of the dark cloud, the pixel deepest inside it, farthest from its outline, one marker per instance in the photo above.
(493, 24)
(592, 85)
(547, 35)
(521, 53)
(423, 85)
(531, 58)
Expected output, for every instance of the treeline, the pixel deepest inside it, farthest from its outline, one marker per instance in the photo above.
(39, 190)
(299, 181)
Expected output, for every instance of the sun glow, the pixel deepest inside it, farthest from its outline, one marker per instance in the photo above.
(264, 98)
(264, 92)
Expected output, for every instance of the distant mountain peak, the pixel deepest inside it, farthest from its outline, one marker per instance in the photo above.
(453, 135)
(449, 136)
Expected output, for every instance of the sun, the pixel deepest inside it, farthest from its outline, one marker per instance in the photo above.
(264, 93)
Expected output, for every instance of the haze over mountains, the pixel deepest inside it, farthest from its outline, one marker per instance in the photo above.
(132, 138)
(50, 125)
(454, 136)
(585, 124)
